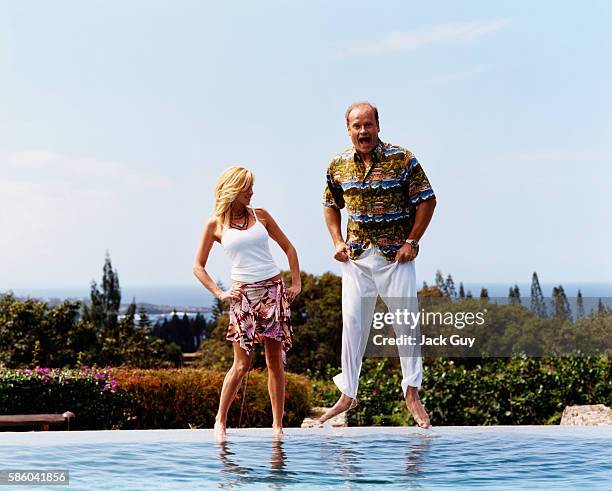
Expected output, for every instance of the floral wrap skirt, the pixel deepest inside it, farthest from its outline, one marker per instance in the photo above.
(262, 310)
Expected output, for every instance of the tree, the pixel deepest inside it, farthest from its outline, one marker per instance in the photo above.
(580, 305)
(442, 285)
(517, 294)
(143, 318)
(601, 308)
(184, 331)
(219, 308)
(201, 327)
(469, 294)
(120, 341)
(31, 333)
(111, 289)
(450, 287)
(514, 295)
(484, 294)
(104, 308)
(538, 306)
(561, 307)
(461, 291)
(131, 311)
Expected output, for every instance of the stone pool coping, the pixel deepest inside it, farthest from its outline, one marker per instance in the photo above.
(206, 435)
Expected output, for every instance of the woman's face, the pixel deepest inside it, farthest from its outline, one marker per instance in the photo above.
(244, 197)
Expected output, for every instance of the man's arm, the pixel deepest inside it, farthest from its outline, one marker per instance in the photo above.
(421, 221)
(333, 220)
(422, 218)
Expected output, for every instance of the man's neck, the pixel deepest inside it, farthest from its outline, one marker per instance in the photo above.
(365, 158)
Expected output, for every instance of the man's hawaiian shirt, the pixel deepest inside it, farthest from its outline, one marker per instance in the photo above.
(381, 198)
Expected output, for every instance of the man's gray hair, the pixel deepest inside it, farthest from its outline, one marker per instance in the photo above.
(358, 104)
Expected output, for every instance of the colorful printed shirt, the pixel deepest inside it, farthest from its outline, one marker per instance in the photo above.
(381, 198)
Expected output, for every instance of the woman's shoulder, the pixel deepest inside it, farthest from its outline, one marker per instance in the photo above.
(211, 223)
(261, 212)
(212, 228)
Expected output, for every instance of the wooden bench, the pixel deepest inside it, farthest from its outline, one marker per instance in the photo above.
(190, 358)
(41, 420)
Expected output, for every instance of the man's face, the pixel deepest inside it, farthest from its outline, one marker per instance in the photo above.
(363, 129)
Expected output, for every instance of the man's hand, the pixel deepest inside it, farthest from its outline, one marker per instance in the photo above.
(342, 252)
(406, 253)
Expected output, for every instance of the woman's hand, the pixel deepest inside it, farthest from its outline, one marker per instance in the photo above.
(292, 292)
(232, 293)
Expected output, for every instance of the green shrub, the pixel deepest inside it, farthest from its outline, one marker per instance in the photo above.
(492, 391)
(34, 334)
(324, 390)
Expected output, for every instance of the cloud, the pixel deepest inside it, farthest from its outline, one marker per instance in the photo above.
(38, 216)
(85, 167)
(449, 32)
(55, 207)
(549, 170)
(459, 76)
(557, 155)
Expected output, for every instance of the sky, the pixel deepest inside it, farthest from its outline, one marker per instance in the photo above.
(117, 117)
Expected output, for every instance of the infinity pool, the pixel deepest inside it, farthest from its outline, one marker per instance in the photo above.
(500, 457)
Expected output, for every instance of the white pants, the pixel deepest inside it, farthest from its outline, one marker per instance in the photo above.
(362, 281)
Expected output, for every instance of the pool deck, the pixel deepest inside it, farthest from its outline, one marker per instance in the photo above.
(206, 435)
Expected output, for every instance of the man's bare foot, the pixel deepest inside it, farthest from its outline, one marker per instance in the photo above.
(413, 403)
(343, 404)
(278, 432)
(220, 432)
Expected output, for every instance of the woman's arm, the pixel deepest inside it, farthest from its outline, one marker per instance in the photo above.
(281, 239)
(206, 242)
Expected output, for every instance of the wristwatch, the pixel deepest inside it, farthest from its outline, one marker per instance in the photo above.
(413, 243)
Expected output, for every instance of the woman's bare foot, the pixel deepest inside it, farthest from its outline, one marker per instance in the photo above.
(413, 403)
(220, 432)
(343, 404)
(278, 432)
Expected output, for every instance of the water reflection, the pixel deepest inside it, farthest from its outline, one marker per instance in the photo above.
(235, 475)
(347, 460)
(278, 458)
(415, 459)
(389, 461)
(341, 461)
(231, 472)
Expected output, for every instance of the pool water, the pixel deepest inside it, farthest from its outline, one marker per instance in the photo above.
(496, 457)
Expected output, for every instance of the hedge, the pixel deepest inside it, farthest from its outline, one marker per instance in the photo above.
(189, 397)
(125, 398)
(491, 391)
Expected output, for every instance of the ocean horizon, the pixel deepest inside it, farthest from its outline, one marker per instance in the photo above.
(198, 296)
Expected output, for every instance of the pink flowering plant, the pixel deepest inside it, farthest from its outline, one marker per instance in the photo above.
(91, 393)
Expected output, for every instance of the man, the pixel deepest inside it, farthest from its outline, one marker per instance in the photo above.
(390, 203)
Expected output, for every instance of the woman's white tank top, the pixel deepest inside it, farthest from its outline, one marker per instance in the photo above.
(249, 252)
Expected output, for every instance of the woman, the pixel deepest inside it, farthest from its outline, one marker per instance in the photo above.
(259, 300)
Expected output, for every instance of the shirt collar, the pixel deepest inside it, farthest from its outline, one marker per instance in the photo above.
(376, 153)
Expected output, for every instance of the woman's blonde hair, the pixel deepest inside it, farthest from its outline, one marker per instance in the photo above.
(231, 182)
